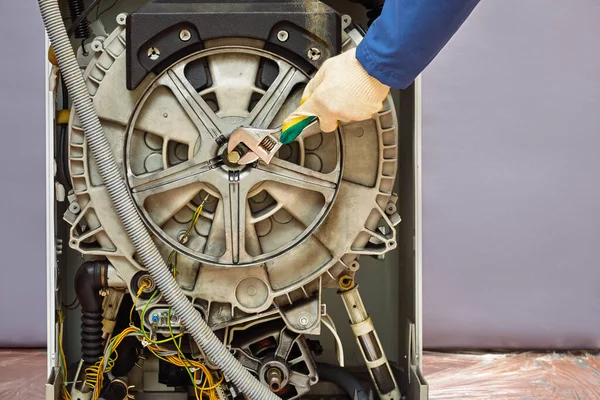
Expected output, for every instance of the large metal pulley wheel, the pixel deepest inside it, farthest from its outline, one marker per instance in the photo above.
(174, 144)
(267, 234)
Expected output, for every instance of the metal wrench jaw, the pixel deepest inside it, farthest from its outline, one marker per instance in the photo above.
(259, 144)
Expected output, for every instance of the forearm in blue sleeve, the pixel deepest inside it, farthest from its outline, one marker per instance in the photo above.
(408, 35)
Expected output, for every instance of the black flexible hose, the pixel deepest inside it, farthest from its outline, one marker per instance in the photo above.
(62, 158)
(116, 390)
(91, 277)
(62, 152)
(82, 29)
(342, 378)
(129, 347)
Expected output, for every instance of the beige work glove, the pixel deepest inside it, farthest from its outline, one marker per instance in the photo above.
(340, 91)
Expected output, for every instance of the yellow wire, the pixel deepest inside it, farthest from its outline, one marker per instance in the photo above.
(64, 392)
(196, 389)
(211, 388)
(177, 361)
(215, 385)
(195, 218)
(139, 293)
(153, 351)
(182, 357)
(94, 375)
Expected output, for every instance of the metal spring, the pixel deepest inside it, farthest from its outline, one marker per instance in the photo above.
(267, 144)
(76, 8)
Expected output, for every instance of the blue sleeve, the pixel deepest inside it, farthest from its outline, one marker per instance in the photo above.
(408, 35)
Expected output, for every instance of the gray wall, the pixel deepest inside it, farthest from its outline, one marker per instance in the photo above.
(510, 161)
(511, 137)
(22, 166)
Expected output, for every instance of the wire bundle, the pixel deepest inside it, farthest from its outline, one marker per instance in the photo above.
(63, 361)
(94, 375)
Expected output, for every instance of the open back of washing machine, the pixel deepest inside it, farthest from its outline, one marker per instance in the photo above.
(299, 267)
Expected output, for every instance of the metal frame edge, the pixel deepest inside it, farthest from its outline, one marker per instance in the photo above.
(50, 216)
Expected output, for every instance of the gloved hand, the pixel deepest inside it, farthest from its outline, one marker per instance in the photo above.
(340, 91)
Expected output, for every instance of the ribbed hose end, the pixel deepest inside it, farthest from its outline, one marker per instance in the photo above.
(92, 345)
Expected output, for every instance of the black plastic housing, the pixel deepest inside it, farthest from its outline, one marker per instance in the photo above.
(158, 24)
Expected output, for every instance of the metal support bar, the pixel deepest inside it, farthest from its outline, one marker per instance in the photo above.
(369, 344)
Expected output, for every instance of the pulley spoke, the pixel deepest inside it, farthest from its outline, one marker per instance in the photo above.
(233, 80)
(172, 124)
(286, 341)
(287, 196)
(206, 121)
(235, 204)
(271, 102)
(172, 178)
(298, 379)
(163, 206)
(291, 174)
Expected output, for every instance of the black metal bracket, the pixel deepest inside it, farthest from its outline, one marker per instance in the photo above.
(164, 31)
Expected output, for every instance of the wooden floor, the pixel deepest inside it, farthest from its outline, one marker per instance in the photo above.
(523, 376)
(22, 374)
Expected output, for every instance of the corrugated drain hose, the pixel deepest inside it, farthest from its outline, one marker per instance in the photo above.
(135, 228)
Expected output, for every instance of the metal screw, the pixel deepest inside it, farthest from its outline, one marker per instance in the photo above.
(391, 209)
(314, 53)
(153, 53)
(354, 266)
(74, 208)
(97, 46)
(185, 35)
(282, 35)
(303, 320)
(233, 157)
(122, 19)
